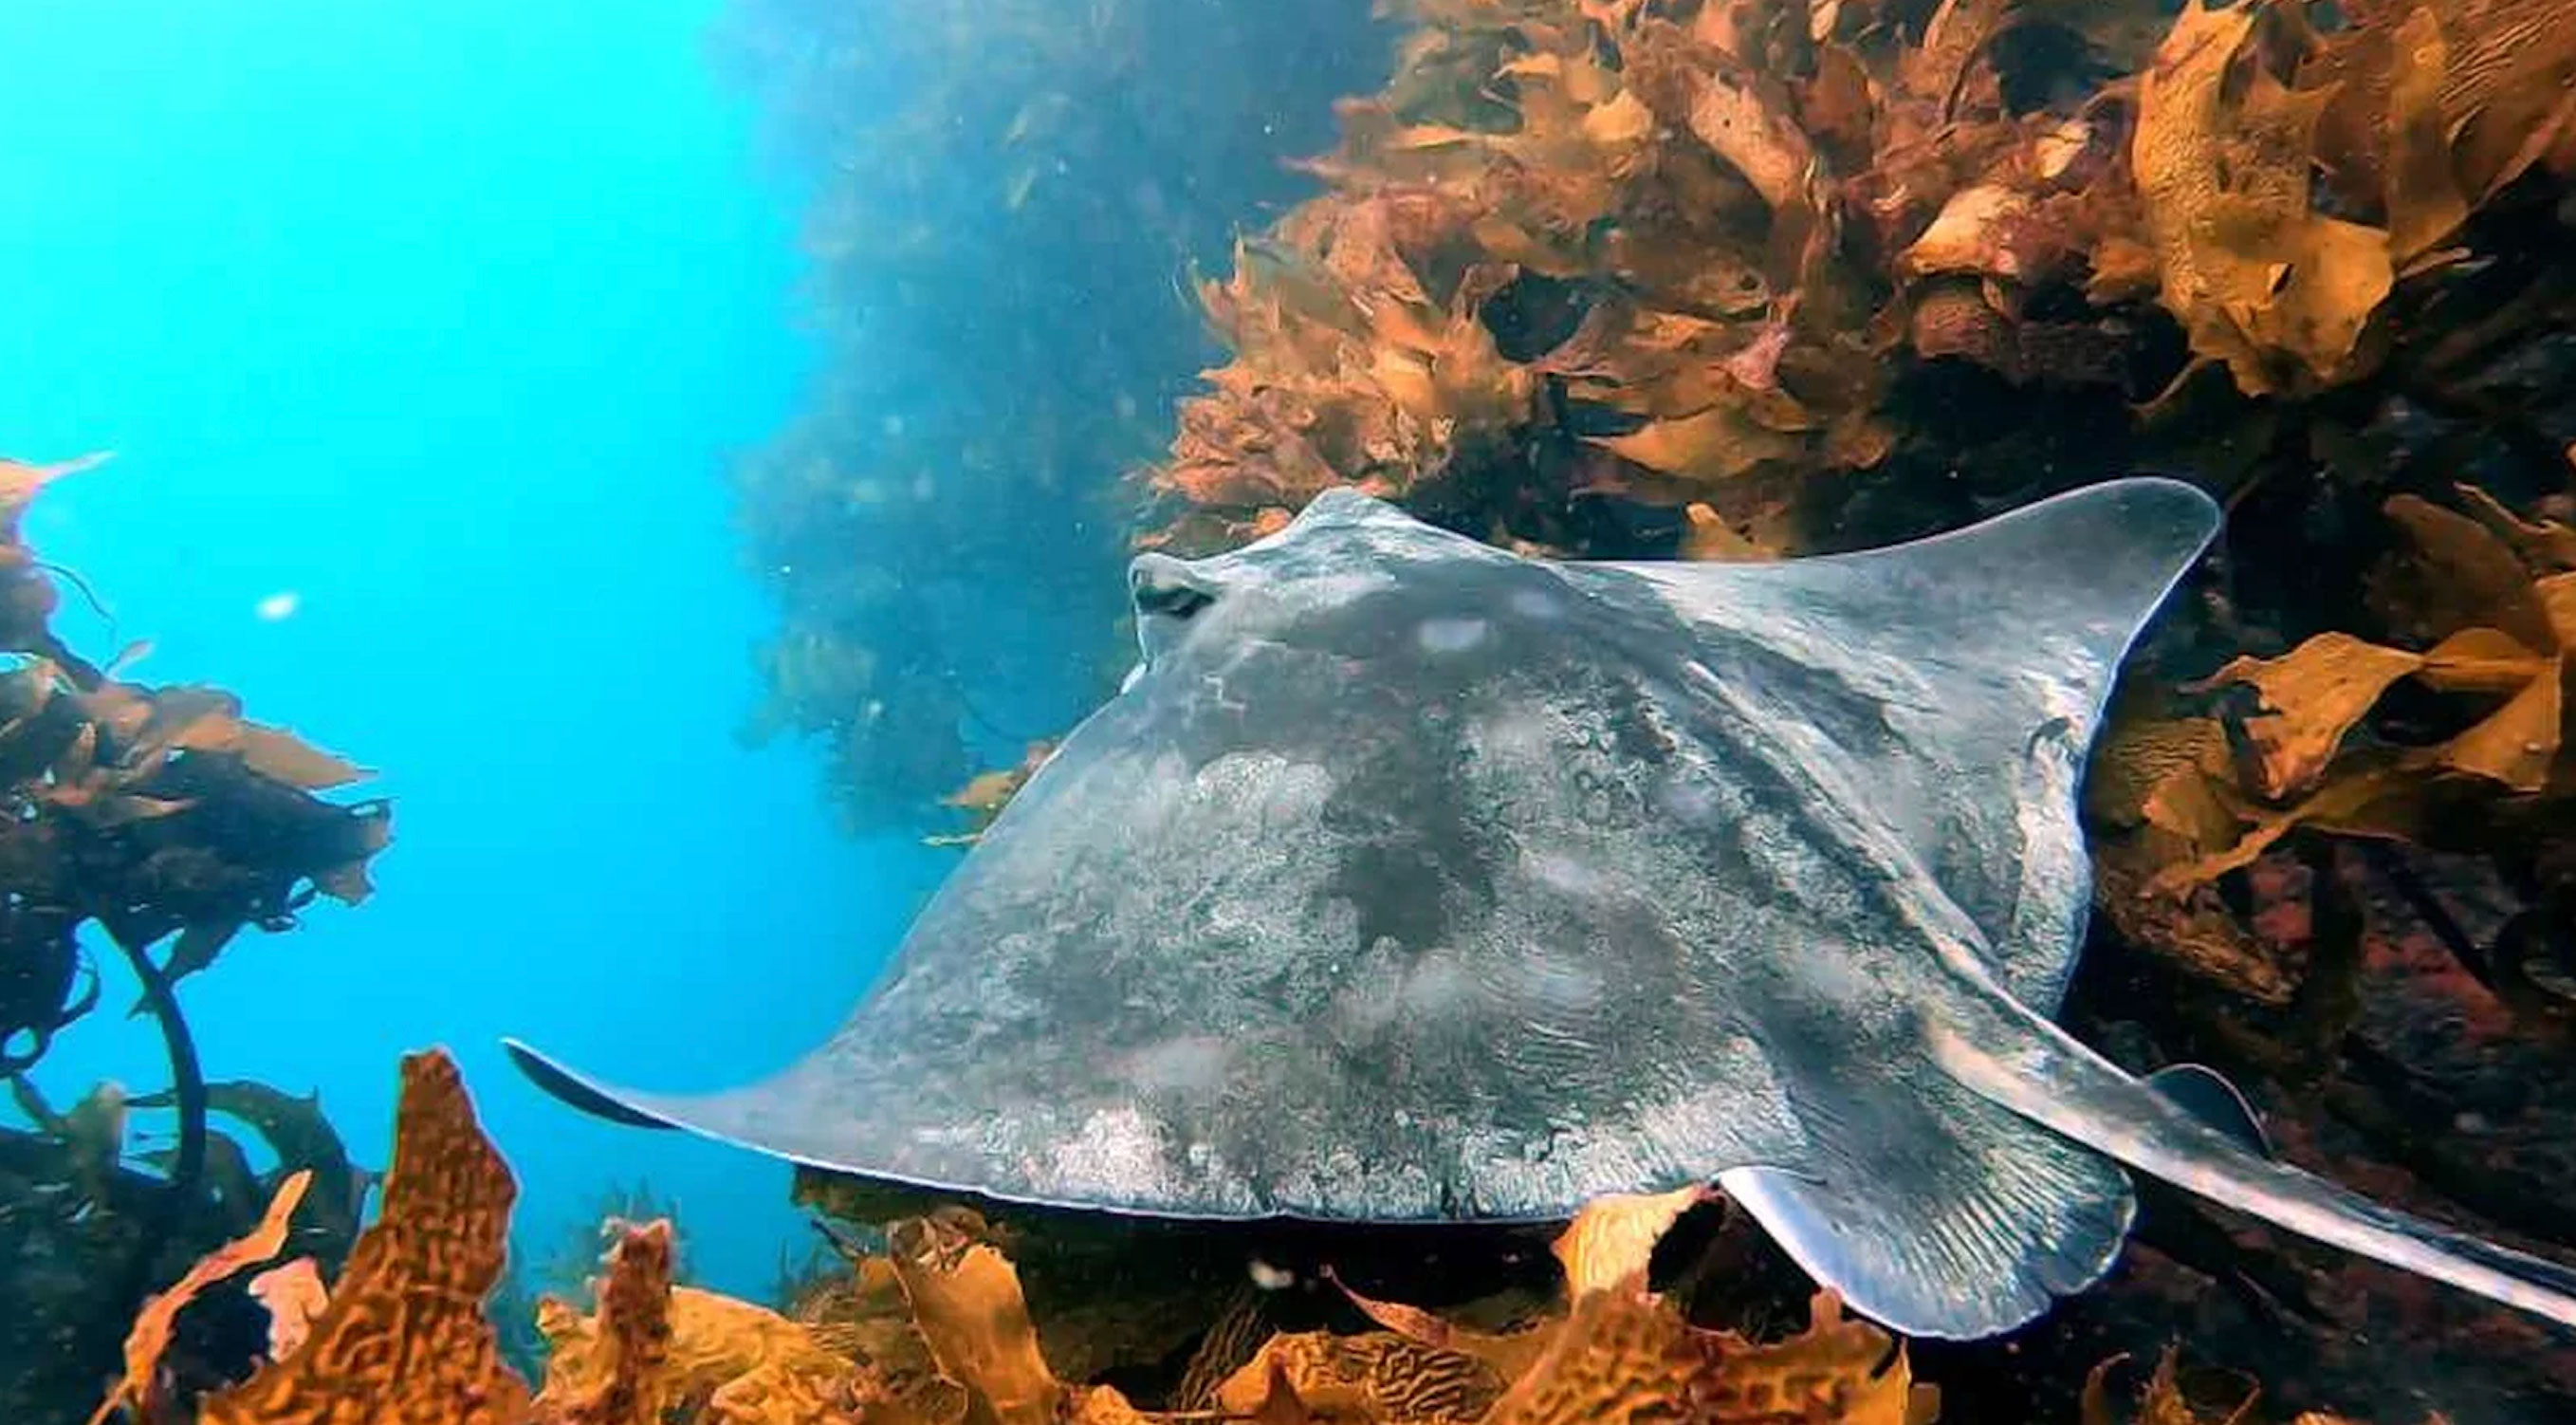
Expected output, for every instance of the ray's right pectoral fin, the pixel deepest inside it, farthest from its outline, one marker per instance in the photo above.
(1936, 1214)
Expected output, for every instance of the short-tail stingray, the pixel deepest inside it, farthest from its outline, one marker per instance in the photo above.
(1407, 879)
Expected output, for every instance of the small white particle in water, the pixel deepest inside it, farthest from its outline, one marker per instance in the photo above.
(279, 606)
(1268, 1277)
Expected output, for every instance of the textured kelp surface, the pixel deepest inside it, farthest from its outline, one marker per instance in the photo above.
(940, 1318)
(166, 821)
(930, 1326)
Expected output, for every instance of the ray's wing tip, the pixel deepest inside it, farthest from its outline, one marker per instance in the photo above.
(2120, 546)
(2173, 511)
(2173, 486)
(578, 1090)
(2189, 506)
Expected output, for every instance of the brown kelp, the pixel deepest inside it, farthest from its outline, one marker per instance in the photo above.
(1626, 278)
(927, 1322)
(933, 1330)
(169, 822)
(1608, 275)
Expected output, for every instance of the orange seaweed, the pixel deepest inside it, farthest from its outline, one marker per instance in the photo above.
(136, 1393)
(617, 1370)
(404, 1340)
(293, 1294)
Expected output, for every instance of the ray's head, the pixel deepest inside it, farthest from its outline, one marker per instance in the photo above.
(1351, 577)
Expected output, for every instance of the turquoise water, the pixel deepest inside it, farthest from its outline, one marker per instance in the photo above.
(445, 319)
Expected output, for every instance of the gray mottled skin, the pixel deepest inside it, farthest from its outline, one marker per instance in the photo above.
(1412, 880)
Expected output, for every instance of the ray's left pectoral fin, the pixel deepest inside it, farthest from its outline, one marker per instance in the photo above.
(2049, 1078)
(576, 1091)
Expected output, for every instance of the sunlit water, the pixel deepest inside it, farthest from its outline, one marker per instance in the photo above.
(443, 319)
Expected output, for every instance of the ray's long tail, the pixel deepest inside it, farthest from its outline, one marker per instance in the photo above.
(2047, 1076)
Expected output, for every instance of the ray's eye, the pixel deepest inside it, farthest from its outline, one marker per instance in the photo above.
(1166, 589)
(1174, 602)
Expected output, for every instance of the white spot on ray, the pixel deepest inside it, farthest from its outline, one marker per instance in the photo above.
(1562, 872)
(1334, 590)
(1451, 635)
(1439, 986)
(1560, 984)
(1189, 1064)
(1115, 1147)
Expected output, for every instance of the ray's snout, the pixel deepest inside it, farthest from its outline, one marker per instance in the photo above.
(1167, 593)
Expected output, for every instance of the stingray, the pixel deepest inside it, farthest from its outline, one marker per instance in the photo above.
(1406, 879)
